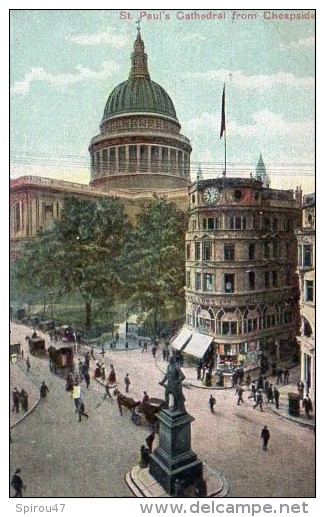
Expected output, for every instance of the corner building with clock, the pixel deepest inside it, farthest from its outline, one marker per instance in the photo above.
(242, 292)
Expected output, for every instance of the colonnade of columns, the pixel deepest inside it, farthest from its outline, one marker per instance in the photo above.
(140, 158)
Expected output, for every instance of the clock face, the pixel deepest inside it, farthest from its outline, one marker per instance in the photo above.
(211, 195)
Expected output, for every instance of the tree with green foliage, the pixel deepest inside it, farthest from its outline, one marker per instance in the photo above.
(82, 251)
(155, 260)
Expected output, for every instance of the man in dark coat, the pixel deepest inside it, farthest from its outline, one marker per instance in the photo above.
(212, 402)
(265, 436)
(259, 400)
(43, 390)
(15, 400)
(17, 483)
(308, 405)
(276, 395)
(239, 392)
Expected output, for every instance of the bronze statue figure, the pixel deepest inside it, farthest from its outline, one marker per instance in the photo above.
(172, 383)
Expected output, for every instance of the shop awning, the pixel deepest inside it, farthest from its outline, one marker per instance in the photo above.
(181, 339)
(198, 345)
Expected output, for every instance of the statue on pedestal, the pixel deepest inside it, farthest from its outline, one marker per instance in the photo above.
(172, 383)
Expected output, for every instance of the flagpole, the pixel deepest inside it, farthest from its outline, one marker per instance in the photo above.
(225, 141)
(223, 130)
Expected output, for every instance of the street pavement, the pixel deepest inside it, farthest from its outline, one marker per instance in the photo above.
(60, 456)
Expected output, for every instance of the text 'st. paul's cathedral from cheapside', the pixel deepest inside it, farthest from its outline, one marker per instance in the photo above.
(138, 153)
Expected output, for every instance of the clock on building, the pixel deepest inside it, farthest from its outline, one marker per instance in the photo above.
(211, 195)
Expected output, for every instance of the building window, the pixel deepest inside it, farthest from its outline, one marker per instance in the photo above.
(275, 224)
(206, 250)
(288, 225)
(229, 282)
(251, 251)
(237, 223)
(266, 279)
(197, 251)
(198, 281)
(229, 252)
(251, 324)
(288, 277)
(225, 327)
(307, 255)
(309, 290)
(188, 251)
(251, 280)
(233, 327)
(267, 252)
(266, 223)
(274, 278)
(188, 279)
(211, 223)
(208, 282)
(193, 225)
(275, 249)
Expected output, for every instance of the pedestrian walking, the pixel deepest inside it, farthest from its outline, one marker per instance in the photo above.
(239, 393)
(103, 371)
(308, 405)
(112, 375)
(81, 411)
(17, 484)
(23, 396)
(259, 400)
(28, 364)
(107, 392)
(301, 387)
(154, 351)
(212, 402)
(76, 395)
(266, 385)
(279, 374)
(43, 390)
(270, 394)
(265, 436)
(253, 391)
(286, 376)
(87, 379)
(260, 383)
(15, 400)
(149, 440)
(248, 380)
(276, 395)
(127, 382)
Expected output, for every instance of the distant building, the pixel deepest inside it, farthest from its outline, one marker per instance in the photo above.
(306, 271)
(241, 283)
(139, 153)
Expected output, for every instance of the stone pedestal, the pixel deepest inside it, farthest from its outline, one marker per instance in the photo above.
(173, 458)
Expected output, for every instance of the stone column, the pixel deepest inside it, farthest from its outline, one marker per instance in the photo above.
(117, 162)
(149, 158)
(138, 158)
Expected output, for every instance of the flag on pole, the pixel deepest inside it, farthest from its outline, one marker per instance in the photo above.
(223, 114)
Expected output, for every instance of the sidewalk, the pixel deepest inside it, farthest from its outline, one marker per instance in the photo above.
(283, 411)
(20, 379)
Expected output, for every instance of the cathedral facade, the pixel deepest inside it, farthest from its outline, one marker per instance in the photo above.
(138, 153)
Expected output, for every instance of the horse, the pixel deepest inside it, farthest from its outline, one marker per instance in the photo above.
(127, 402)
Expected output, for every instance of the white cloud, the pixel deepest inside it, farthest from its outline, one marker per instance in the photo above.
(272, 124)
(303, 43)
(61, 80)
(107, 37)
(240, 80)
(264, 122)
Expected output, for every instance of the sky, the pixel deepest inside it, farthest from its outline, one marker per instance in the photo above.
(65, 63)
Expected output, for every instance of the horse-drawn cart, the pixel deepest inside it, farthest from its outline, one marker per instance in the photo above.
(61, 359)
(37, 346)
